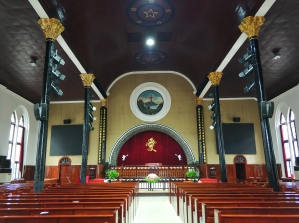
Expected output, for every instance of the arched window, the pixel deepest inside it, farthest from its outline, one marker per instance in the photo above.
(19, 150)
(11, 135)
(285, 146)
(294, 133)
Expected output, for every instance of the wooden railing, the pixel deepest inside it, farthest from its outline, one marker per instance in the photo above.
(140, 172)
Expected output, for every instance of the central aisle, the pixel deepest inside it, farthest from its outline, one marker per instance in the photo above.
(155, 209)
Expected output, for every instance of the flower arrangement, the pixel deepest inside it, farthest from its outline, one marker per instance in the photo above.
(152, 178)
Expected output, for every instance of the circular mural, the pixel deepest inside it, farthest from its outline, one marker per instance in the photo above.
(150, 102)
(150, 13)
(152, 57)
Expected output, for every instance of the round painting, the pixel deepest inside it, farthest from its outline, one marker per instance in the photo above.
(150, 102)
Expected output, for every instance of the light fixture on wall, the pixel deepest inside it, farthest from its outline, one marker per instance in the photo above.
(276, 53)
(33, 61)
(277, 56)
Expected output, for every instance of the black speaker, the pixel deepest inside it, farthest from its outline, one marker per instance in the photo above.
(267, 109)
(40, 111)
(236, 119)
(296, 161)
(67, 121)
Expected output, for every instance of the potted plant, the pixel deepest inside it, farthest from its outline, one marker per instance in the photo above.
(191, 174)
(112, 174)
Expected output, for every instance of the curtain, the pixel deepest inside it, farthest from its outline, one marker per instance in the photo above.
(168, 151)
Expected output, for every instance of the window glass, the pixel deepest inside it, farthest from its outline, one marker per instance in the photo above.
(20, 135)
(21, 122)
(9, 151)
(11, 132)
(285, 132)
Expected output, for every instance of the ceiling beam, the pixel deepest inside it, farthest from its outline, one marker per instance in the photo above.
(261, 12)
(42, 14)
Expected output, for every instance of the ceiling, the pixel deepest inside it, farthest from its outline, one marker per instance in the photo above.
(107, 38)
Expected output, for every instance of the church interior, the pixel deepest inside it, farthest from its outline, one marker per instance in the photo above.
(186, 106)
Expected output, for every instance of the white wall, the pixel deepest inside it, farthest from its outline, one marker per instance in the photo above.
(10, 102)
(282, 104)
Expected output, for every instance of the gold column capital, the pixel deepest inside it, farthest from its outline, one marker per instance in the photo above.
(251, 25)
(103, 101)
(87, 79)
(199, 101)
(215, 78)
(51, 28)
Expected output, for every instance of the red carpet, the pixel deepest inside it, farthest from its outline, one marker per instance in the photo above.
(208, 180)
(96, 181)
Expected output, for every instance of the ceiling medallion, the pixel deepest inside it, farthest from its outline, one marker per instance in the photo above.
(152, 57)
(150, 13)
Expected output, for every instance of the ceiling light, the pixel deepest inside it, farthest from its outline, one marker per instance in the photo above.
(56, 89)
(246, 71)
(150, 42)
(211, 106)
(249, 86)
(213, 125)
(276, 56)
(246, 57)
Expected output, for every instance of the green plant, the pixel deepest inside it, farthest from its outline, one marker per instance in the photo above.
(191, 174)
(112, 174)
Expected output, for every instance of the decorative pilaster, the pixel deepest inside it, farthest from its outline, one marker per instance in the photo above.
(201, 132)
(51, 29)
(251, 26)
(87, 80)
(103, 133)
(215, 78)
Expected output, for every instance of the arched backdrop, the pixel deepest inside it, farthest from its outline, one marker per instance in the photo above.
(138, 129)
(167, 150)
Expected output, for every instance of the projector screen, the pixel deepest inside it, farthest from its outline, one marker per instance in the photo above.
(66, 140)
(239, 138)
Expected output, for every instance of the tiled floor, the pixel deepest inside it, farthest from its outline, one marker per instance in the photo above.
(155, 209)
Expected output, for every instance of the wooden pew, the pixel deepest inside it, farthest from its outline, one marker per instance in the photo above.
(199, 213)
(176, 190)
(200, 189)
(63, 211)
(182, 202)
(208, 211)
(94, 194)
(105, 218)
(70, 205)
(254, 218)
(190, 206)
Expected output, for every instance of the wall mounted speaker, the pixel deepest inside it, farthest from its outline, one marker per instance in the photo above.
(40, 111)
(36, 112)
(296, 161)
(267, 109)
(67, 121)
(236, 119)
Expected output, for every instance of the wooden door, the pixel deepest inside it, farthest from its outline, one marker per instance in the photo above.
(64, 169)
(64, 173)
(240, 167)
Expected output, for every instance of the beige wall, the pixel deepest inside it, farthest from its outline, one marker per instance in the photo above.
(181, 117)
(247, 110)
(75, 112)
